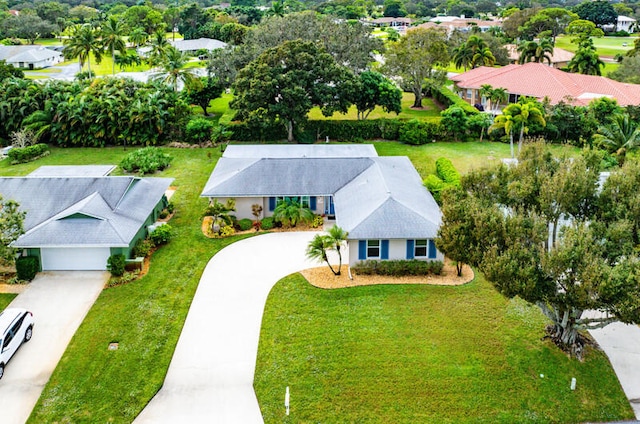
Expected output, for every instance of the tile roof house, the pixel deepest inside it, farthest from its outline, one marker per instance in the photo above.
(559, 59)
(380, 201)
(77, 222)
(542, 81)
(30, 57)
(453, 23)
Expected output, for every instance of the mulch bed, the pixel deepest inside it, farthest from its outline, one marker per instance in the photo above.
(323, 278)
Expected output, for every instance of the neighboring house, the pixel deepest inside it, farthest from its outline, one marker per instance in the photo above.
(76, 217)
(559, 59)
(399, 24)
(192, 46)
(30, 57)
(625, 23)
(541, 81)
(380, 201)
(453, 23)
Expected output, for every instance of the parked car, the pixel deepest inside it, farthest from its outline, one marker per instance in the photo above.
(16, 327)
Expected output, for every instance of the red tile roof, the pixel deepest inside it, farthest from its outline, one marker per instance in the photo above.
(539, 80)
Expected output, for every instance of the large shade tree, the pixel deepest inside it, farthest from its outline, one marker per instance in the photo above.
(414, 57)
(372, 89)
(285, 82)
(542, 231)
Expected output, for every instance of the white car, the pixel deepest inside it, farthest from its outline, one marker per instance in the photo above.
(16, 327)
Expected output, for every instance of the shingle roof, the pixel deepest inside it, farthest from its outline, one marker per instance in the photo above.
(374, 196)
(34, 56)
(73, 171)
(83, 211)
(197, 44)
(538, 80)
(282, 151)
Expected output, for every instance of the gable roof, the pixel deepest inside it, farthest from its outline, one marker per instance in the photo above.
(197, 44)
(73, 171)
(30, 53)
(538, 80)
(83, 211)
(375, 197)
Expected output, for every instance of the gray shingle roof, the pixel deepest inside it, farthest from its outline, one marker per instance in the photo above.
(73, 171)
(282, 151)
(197, 44)
(375, 197)
(83, 211)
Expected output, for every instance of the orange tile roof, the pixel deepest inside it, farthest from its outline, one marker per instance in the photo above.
(539, 80)
(559, 55)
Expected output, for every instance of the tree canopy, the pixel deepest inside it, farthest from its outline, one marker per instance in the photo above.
(11, 228)
(599, 12)
(543, 231)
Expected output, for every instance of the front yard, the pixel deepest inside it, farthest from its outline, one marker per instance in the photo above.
(430, 331)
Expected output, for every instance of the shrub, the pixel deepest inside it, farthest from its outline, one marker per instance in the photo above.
(227, 231)
(454, 121)
(245, 224)
(449, 98)
(26, 154)
(125, 278)
(146, 161)
(171, 207)
(116, 264)
(199, 130)
(435, 185)
(27, 267)
(318, 221)
(142, 248)
(267, 223)
(398, 268)
(161, 235)
(418, 132)
(447, 172)
(163, 214)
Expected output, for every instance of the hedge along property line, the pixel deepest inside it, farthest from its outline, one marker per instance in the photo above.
(449, 98)
(342, 130)
(27, 154)
(446, 176)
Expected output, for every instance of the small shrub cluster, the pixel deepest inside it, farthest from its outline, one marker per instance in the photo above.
(398, 268)
(446, 176)
(267, 223)
(245, 224)
(163, 214)
(125, 278)
(161, 235)
(318, 221)
(199, 130)
(142, 248)
(29, 153)
(227, 231)
(27, 267)
(419, 132)
(146, 161)
(116, 264)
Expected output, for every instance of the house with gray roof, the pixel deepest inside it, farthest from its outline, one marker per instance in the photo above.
(380, 201)
(192, 46)
(77, 222)
(30, 57)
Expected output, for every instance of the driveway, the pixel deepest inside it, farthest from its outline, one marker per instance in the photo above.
(621, 343)
(59, 302)
(210, 378)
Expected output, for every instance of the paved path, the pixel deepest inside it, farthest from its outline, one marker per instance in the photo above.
(210, 378)
(59, 302)
(621, 343)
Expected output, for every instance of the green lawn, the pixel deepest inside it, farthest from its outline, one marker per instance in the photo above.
(429, 111)
(92, 384)
(421, 354)
(606, 46)
(5, 299)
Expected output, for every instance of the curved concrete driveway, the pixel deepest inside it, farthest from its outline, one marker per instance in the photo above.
(59, 302)
(210, 378)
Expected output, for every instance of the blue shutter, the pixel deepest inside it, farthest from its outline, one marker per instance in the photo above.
(312, 203)
(432, 249)
(384, 254)
(410, 250)
(362, 250)
(272, 203)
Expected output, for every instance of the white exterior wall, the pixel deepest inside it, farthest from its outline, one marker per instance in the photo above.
(397, 250)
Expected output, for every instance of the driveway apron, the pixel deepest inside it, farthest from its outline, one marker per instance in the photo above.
(210, 378)
(621, 343)
(59, 302)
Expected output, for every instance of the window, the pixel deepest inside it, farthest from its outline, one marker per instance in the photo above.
(420, 249)
(373, 248)
(305, 201)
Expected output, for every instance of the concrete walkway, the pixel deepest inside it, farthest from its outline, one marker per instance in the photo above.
(59, 302)
(210, 378)
(621, 343)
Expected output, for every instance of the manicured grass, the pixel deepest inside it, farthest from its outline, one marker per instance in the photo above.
(429, 111)
(606, 46)
(92, 384)
(421, 354)
(609, 67)
(5, 299)
(220, 107)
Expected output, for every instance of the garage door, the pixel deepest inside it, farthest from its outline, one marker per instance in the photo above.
(75, 259)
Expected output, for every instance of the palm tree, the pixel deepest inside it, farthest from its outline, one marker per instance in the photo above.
(220, 213)
(498, 95)
(173, 69)
(159, 48)
(277, 8)
(317, 249)
(586, 61)
(289, 212)
(519, 116)
(83, 42)
(506, 122)
(112, 33)
(138, 37)
(125, 60)
(483, 57)
(337, 236)
(619, 136)
(533, 51)
(462, 56)
(485, 91)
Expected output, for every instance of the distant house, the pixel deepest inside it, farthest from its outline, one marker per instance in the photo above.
(559, 59)
(453, 23)
(30, 57)
(193, 46)
(542, 81)
(392, 22)
(76, 217)
(380, 201)
(625, 23)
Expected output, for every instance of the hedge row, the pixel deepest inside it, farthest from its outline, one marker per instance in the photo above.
(398, 268)
(447, 172)
(449, 98)
(26, 154)
(27, 267)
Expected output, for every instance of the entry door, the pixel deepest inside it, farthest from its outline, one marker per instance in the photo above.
(328, 206)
